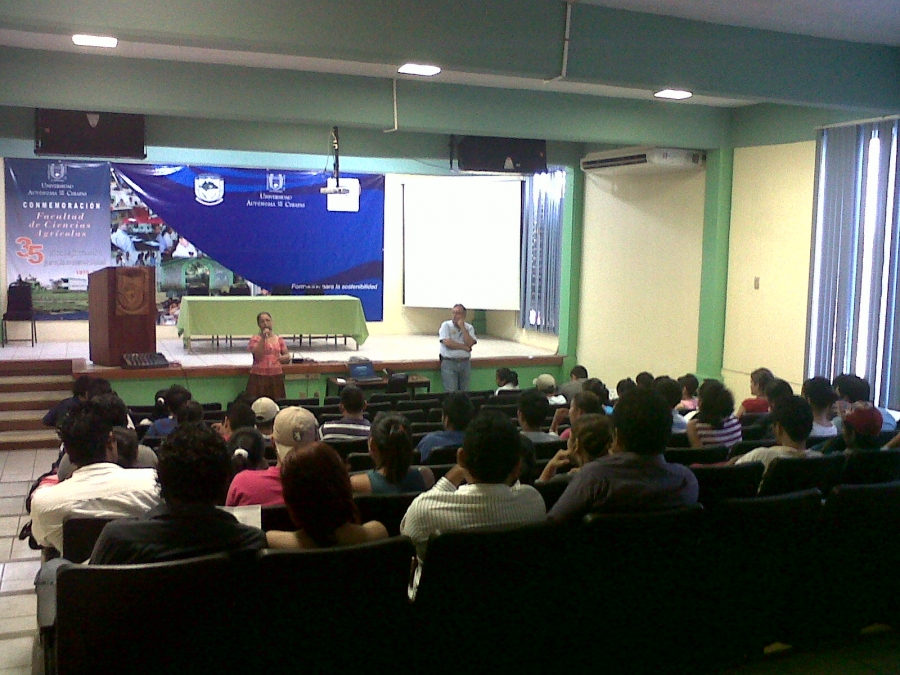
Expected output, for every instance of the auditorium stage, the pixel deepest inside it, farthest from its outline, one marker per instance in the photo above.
(225, 366)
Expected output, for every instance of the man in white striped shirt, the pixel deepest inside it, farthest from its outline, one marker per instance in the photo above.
(353, 425)
(489, 462)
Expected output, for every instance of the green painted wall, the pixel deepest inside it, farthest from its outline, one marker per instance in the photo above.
(714, 272)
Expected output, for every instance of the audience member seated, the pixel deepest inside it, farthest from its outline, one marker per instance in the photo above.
(577, 377)
(295, 427)
(319, 499)
(624, 386)
(852, 389)
(264, 410)
(129, 454)
(759, 380)
(862, 428)
(506, 380)
(457, 410)
(248, 451)
(635, 475)
(689, 385)
(583, 403)
(546, 384)
(98, 486)
(591, 438)
(390, 445)
(533, 409)
(190, 413)
(644, 379)
(194, 470)
(821, 397)
(792, 420)
(488, 462)
(175, 397)
(714, 424)
(353, 425)
(240, 414)
(597, 388)
(79, 395)
(670, 390)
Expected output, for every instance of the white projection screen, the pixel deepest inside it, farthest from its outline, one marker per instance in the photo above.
(462, 241)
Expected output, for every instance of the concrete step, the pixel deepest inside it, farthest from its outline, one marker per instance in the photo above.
(17, 383)
(55, 367)
(29, 440)
(21, 420)
(31, 400)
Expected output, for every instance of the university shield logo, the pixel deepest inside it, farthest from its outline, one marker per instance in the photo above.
(209, 189)
(56, 171)
(275, 182)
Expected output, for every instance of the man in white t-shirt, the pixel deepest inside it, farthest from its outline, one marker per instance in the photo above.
(792, 421)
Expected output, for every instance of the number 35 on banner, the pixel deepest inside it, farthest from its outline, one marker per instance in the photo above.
(33, 252)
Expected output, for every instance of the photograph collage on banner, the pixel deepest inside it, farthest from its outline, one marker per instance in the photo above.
(206, 230)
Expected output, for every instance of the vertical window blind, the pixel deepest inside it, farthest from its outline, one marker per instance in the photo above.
(853, 323)
(542, 221)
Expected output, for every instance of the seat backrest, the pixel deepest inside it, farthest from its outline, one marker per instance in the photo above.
(792, 474)
(728, 482)
(548, 449)
(318, 410)
(155, 618)
(508, 410)
(314, 601)
(386, 509)
(688, 456)
(551, 491)
(754, 553)
(18, 299)
(442, 455)
(679, 441)
(346, 448)
(391, 397)
(382, 406)
(864, 467)
(425, 427)
(276, 517)
(360, 461)
(79, 536)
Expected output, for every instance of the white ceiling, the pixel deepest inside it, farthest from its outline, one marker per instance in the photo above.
(872, 21)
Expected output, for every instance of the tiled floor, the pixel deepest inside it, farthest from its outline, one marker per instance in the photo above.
(18, 563)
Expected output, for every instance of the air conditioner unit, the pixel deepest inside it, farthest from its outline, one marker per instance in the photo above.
(642, 161)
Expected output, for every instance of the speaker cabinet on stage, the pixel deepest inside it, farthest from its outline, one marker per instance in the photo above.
(121, 313)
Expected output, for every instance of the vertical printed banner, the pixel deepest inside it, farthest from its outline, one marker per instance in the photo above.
(57, 230)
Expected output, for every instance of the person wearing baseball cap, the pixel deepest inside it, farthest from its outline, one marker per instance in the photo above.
(861, 428)
(264, 410)
(546, 384)
(294, 427)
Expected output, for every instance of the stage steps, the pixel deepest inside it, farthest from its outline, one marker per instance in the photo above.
(28, 389)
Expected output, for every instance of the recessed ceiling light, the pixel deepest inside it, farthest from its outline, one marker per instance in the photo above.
(94, 41)
(673, 94)
(418, 69)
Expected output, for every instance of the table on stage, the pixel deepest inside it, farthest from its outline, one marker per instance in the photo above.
(335, 384)
(292, 315)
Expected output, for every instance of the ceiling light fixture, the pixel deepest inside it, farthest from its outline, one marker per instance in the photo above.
(94, 41)
(673, 94)
(418, 69)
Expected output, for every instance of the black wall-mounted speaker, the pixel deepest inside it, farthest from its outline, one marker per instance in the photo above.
(88, 134)
(501, 155)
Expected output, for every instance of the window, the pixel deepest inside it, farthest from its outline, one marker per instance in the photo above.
(542, 220)
(854, 326)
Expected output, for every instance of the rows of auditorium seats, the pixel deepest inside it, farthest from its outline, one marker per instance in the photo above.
(691, 590)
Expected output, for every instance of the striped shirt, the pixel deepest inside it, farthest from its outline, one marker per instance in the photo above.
(446, 507)
(728, 435)
(344, 429)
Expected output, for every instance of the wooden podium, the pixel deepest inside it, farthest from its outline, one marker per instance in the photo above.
(121, 313)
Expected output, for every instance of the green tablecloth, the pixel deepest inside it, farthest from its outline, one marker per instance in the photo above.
(291, 315)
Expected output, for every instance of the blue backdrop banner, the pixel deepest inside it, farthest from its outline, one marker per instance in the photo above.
(57, 229)
(274, 227)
